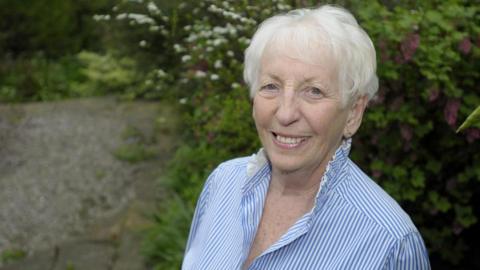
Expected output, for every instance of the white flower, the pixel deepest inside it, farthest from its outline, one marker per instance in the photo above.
(235, 85)
(213, 8)
(214, 77)
(161, 73)
(230, 53)
(192, 38)
(140, 18)
(182, 101)
(218, 64)
(244, 40)
(219, 30)
(99, 17)
(225, 4)
(122, 16)
(200, 74)
(186, 58)
(154, 28)
(283, 7)
(143, 44)
(209, 49)
(178, 48)
(153, 8)
(206, 34)
(218, 42)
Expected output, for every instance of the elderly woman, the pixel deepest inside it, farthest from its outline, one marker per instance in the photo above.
(300, 202)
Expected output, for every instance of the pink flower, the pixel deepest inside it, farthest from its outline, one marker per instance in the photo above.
(465, 45)
(397, 103)
(379, 98)
(451, 111)
(434, 94)
(409, 46)
(382, 46)
(457, 228)
(376, 174)
(406, 132)
(473, 134)
(451, 184)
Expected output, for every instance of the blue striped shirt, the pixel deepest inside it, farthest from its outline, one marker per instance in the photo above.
(354, 224)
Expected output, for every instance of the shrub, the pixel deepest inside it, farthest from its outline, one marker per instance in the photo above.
(428, 64)
(38, 78)
(85, 74)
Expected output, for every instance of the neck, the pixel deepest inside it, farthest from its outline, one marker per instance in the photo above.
(299, 183)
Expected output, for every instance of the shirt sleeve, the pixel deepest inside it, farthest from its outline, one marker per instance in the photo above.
(409, 253)
(202, 203)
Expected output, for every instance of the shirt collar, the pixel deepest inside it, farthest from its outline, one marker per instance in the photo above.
(259, 169)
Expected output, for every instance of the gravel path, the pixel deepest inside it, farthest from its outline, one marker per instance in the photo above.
(68, 197)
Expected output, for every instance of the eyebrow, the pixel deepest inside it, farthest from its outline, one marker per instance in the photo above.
(306, 80)
(273, 76)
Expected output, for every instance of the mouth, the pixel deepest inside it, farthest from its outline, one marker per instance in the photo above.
(286, 141)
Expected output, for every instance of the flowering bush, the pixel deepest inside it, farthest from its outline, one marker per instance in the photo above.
(428, 64)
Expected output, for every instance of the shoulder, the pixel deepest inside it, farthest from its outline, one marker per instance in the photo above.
(233, 167)
(235, 163)
(367, 197)
(230, 171)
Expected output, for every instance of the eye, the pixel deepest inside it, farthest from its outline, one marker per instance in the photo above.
(269, 87)
(269, 90)
(314, 92)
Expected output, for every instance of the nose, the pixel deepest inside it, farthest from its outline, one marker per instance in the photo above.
(287, 111)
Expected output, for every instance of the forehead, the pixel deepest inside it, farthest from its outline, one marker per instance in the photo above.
(285, 63)
(304, 43)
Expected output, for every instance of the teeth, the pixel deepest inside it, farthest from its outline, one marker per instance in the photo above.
(289, 140)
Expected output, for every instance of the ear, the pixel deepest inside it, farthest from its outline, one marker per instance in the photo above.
(355, 116)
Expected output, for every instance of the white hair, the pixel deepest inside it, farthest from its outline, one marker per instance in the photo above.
(303, 32)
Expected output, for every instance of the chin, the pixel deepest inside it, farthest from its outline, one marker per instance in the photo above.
(284, 165)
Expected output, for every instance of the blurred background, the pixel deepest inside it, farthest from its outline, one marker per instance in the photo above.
(113, 112)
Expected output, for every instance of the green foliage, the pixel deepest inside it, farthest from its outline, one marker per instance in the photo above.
(137, 147)
(134, 153)
(12, 255)
(473, 120)
(70, 266)
(166, 242)
(86, 74)
(104, 74)
(428, 64)
(54, 27)
(39, 42)
(38, 78)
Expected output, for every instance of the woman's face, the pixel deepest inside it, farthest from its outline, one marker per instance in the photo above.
(298, 112)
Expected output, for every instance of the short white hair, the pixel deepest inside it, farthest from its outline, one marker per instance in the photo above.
(303, 31)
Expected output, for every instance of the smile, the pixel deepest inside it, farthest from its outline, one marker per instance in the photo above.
(287, 141)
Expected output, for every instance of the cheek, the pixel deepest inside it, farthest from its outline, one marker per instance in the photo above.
(259, 112)
(327, 121)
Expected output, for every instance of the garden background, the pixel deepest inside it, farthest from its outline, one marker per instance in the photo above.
(190, 54)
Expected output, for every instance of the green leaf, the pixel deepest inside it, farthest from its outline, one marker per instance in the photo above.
(473, 120)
